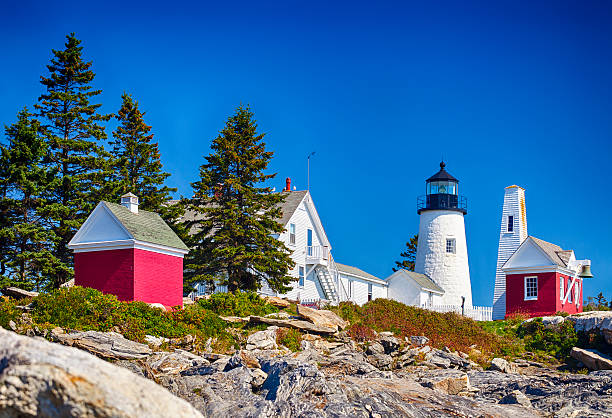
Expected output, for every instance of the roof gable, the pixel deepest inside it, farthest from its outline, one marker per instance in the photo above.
(290, 205)
(312, 212)
(100, 226)
(534, 252)
(420, 280)
(354, 271)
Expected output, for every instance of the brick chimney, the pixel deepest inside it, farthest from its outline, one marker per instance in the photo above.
(130, 201)
(287, 185)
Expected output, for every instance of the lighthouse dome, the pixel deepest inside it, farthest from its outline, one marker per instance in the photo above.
(442, 193)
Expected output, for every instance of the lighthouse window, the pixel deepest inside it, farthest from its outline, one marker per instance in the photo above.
(531, 288)
(451, 246)
(510, 223)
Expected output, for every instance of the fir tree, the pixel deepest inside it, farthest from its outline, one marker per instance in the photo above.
(26, 241)
(74, 132)
(137, 166)
(237, 218)
(409, 255)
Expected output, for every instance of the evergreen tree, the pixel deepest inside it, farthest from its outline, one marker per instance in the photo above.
(409, 255)
(137, 166)
(26, 241)
(236, 219)
(74, 132)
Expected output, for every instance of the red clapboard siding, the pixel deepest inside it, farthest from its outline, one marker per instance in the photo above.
(158, 278)
(109, 271)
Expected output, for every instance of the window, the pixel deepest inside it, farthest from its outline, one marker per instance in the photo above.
(350, 289)
(531, 288)
(576, 293)
(292, 234)
(561, 287)
(451, 245)
(569, 291)
(309, 242)
(301, 276)
(510, 223)
(369, 292)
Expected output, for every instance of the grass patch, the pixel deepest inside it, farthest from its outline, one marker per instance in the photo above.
(290, 338)
(237, 304)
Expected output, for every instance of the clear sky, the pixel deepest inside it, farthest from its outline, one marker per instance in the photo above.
(507, 92)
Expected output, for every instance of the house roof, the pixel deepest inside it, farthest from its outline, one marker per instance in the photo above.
(558, 255)
(354, 271)
(290, 205)
(146, 226)
(420, 279)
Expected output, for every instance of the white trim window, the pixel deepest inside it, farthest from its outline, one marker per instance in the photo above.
(576, 292)
(301, 276)
(292, 234)
(350, 289)
(569, 291)
(451, 245)
(510, 223)
(369, 292)
(561, 287)
(531, 288)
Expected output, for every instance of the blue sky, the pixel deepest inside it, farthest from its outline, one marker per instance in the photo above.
(507, 92)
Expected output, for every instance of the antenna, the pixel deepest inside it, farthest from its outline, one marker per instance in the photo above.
(309, 155)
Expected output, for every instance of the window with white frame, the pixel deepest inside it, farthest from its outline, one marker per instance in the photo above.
(531, 288)
(369, 292)
(569, 291)
(350, 289)
(292, 234)
(301, 276)
(561, 287)
(510, 223)
(576, 292)
(451, 245)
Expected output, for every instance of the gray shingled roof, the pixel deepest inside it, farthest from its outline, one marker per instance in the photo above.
(557, 254)
(146, 226)
(343, 268)
(424, 281)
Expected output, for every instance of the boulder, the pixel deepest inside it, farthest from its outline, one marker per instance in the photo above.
(174, 362)
(262, 340)
(592, 359)
(278, 302)
(419, 340)
(258, 378)
(39, 378)
(243, 358)
(322, 318)
(157, 305)
(390, 343)
(450, 381)
(18, 293)
(516, 397)
(548, 321)
(69, 283)
(235, 319)
(375, 348)
(294, 323)
(381, 361)
(503, 366)
(155, 342)
(110, 345)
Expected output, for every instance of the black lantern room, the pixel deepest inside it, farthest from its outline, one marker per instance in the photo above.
(442, 193)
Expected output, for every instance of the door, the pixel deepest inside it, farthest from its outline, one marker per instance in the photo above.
(309, 241)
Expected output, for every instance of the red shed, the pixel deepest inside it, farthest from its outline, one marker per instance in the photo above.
(542, 279)
(130, 253)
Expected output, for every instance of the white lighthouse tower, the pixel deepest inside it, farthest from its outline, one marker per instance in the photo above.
(512, 233)
(442, 249)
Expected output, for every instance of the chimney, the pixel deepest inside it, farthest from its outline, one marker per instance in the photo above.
(130, 201)
(287, 185)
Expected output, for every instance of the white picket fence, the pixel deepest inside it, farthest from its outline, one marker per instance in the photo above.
(477, 313)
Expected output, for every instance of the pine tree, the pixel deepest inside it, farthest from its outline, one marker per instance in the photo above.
(236, 219)
(137, 166)
(409, 255)
(26, 241)
(74, 132)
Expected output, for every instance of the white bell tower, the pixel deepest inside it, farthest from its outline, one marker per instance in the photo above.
(442, 249)
(512, 233)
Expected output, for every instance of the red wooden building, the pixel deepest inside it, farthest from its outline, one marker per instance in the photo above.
(130, 253)
(542, 278)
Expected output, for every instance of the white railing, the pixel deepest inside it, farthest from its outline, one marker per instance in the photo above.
(477, 313)
(320, 252)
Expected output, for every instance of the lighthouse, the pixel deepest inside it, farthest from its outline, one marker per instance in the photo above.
(442, 249)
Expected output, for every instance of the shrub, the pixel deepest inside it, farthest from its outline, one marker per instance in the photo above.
(8, 311)
(237, 304)
(556, 341)
(361, 333)
(290, 338)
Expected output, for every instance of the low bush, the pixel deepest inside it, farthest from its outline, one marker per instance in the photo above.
(361, 333)
(290, 338)
(8, 311)
(237, 304)
(556, 341)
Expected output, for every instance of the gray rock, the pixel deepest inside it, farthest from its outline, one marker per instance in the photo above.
(263, 340)
(451, 381)
(174, 362)
(503, 366)
(381, 361)
(258, 378)
(39, 378)
(375, 348)
(294, 323)
(419, 340)
(18, 293)
(549, 321)
(322, 318)
(516, 397)
(390, 344)
(438, 361)
(155, 342)
(592, 359)
(110, 345)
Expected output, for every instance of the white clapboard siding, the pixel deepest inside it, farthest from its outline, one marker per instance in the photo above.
(357, 288)
(514, 205)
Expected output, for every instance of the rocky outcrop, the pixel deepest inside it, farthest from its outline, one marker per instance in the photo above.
(322, 318)
(503, 366)
(450, 381)
(592, 359)
(595, 321)
(278, 302)
(294, 323)
(109, 345)
(18, 293)
(516, 397)
(262, 340)
(38, 378)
